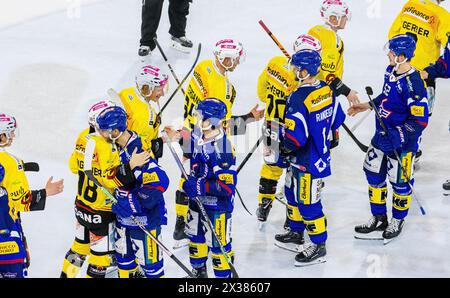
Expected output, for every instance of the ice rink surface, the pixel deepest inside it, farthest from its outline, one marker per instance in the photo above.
(55, 66)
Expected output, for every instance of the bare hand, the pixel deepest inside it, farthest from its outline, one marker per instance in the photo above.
(139, 159)
(424, 74)
(172, 134)
(54, 188)
(358, 108)
(353, 98)
(257, 114)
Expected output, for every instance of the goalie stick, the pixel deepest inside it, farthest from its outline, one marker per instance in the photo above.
(90, 146)
(369, 92)
(358, 143)
(203, 211)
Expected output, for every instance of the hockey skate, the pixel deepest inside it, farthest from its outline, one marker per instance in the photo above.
(290, 240)
(200, 272)
(373, 229)
(446, 187)
(179, 235)
(263, 212)
(182, 44)
(313, 254)
(393, 230)
(144, 51)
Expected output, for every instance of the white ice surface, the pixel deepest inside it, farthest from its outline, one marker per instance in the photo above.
(53, 66)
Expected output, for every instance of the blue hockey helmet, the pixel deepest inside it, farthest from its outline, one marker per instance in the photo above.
(307, 59)
(211, 109)
(403, 44)
(112, 118)
(2, 173)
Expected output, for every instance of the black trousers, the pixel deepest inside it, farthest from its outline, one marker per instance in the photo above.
(151, 15)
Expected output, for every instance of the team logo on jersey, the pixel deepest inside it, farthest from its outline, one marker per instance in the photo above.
(372, 155)
(321, 165)
(384, 112)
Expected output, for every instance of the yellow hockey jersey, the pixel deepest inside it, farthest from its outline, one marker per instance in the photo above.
(332, 53)
(275, 84)
(141, 116)
(104, 162)
(430, 23)
(207, 82)
(16, 184)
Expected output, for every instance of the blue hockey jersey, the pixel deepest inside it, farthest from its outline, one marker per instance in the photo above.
(403, 103)
(312, 111)
(213, 162)
(151, 183)
(441, 69)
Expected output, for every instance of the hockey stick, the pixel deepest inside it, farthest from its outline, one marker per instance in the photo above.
(369, 92)
(180, 84)
(203, 211)
(360, 121)
(280, 46)
(88, 171)
(250, 154)
(167, 62)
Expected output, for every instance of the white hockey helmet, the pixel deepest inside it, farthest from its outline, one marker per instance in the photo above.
(96, 109)
(229, 48)
(337, 8)
(8, 126)
(307, 42)
(151, 76)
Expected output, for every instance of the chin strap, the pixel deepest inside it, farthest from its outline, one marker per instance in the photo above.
(114, 139)
(397, 64)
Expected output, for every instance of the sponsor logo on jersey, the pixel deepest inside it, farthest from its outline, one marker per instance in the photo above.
(329, 66)
(319, 99)
(290, 124)
(418, 111)
(227, 178)
(277, 76)
(9, 247)
(90, 218)
(150, 178)
(18, 195)
(412, 11)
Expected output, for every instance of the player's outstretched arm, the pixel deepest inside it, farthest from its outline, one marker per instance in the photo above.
(358, 108)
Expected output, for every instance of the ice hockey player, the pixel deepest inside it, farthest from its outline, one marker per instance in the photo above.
(141, 198)
(312, 112)
(335, 14)
(275, 84)
(142, 117)
(213, 180)
(210, 80)
(404, 109)
(16, 197)
(440, 69)
(429, 24)
(94, 238)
